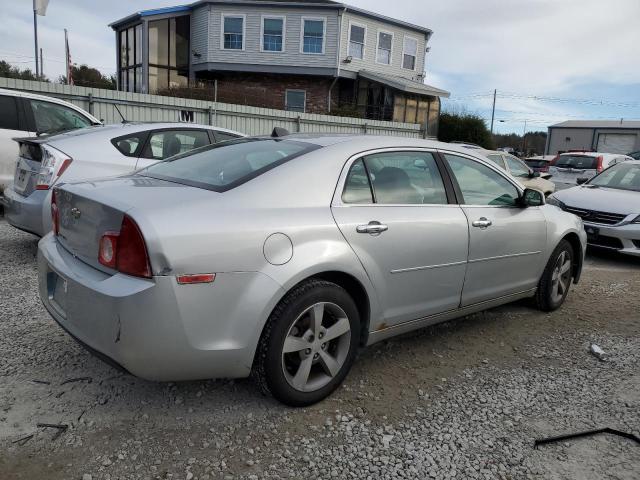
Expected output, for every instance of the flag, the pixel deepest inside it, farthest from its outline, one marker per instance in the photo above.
(40, 7)
(68, 55)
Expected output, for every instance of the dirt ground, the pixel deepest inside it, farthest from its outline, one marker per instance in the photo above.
(124, 427)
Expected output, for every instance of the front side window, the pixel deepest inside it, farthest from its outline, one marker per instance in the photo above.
(516, 167)
(168, 143)
(312, 36)
(357, 35)
(385, 44)
(409, 53)
(396, 178)
(273, 34)
(52, 118)
(295, 100)
(233, 37)
(480, 185)
(227, 165)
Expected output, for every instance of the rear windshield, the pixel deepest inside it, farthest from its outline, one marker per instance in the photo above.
(536, 163)
(623, 176)
(226, 165)
(577, 161)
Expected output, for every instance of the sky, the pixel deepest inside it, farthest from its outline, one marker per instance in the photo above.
(549, 60)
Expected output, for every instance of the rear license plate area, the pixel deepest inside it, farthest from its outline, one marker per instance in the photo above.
(57, 292)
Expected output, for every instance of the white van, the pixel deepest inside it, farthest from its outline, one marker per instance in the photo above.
(25, 114)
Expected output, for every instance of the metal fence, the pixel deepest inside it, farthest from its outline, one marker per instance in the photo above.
(102, 104)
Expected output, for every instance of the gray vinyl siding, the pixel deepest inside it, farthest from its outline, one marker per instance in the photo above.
(371, 44)
(199, 34)
(252, 53)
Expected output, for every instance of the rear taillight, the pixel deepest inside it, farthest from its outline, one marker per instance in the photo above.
(53, 165)
(125, 251)
(545, 168)
(599, 166)
(55, 215)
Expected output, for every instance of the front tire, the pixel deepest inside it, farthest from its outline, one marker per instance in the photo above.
(556, 279)
(308, 344)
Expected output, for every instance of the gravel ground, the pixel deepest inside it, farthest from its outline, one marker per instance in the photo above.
(464, 399)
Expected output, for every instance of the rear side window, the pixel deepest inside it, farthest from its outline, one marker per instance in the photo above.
(396, 178)
(516, 167)
(8, 113)
(577, 161)
(227, 165)
(129, 146)
(51, 117)
(168, 143)
(223, 137)
(497, 159)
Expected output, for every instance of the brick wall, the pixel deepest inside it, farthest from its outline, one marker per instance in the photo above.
(268, 90)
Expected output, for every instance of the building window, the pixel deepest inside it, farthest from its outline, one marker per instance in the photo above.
(385, 44)
(169, 53)
(313, 35)
(409, 53)
(131, 59)
(273, 34)
(295, 100)
(233, 32)
(357, 35)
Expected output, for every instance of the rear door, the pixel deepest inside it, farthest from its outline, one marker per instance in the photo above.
(12, 124)
(401, 221)
(506, 241)
(165, 143)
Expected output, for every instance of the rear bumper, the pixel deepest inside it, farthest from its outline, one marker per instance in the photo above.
(624, 239)
(155, 328)
(26, 213)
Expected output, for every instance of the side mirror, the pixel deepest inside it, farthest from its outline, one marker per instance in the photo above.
(582, 180)
(532, 198)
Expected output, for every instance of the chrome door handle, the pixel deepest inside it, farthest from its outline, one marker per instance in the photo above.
(482, 223)
(372, 228)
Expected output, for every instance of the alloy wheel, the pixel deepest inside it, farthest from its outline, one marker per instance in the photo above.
(316, 346)
(561, 276)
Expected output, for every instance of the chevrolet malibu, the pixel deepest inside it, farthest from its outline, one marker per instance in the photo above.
(282, 256)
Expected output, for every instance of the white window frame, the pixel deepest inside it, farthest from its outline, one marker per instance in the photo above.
(304, 107)
(415, 64)
(378, 47)
(244, 30)
(324, 34)
(284, 32)
(364, 45)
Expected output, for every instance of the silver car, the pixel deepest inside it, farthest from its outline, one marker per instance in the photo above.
(609, 205)
(569, 169)
(283, 256)
(91, 153)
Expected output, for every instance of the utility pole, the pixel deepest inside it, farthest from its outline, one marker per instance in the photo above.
(35, 35)
(41, 65)
(524, 139)
(493, 110)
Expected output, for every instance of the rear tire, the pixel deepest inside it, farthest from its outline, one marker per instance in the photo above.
(308, 344)
(556, 279)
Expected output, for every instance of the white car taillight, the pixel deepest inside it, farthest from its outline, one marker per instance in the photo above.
(53, 165)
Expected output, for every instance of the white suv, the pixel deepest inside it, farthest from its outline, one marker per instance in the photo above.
(28, 115)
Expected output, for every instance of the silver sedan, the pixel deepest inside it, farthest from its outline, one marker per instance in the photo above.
(282, 256)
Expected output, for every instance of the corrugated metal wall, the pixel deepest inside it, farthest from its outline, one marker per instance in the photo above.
(249, 120)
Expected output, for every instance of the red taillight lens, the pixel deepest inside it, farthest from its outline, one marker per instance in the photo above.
(126, 250)
(53, 165)
(599, 166)
(555, 159)
(55, 214)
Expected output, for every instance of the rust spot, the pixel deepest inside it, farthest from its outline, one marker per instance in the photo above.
(382, 326)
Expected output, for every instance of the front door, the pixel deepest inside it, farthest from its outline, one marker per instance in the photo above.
(506, 241)
(395, 214)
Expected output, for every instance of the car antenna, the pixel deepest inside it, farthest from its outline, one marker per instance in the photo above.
(279, 132)
(124, 120)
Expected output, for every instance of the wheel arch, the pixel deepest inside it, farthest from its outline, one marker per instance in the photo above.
(576, 244)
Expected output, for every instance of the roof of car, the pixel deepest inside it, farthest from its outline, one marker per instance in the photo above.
(118, 129)
(594, 154)
(34, 96)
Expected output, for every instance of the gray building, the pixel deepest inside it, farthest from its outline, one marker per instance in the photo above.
(314, 56)
(607, 136)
